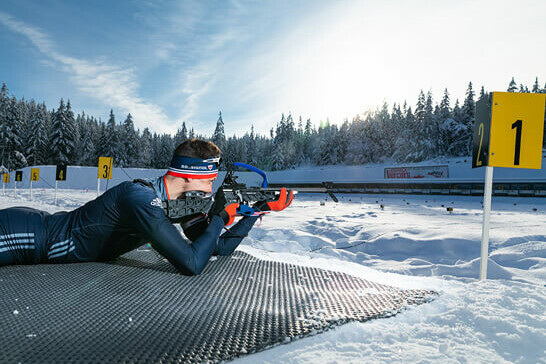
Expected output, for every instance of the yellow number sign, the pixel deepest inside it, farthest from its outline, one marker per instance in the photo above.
(105, 167)
(35, 174)
(508, 130)
(517, 125)
(6, 177)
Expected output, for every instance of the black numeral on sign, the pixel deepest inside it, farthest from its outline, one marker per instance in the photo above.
(105, 174)
(480, 133)
(518, 125)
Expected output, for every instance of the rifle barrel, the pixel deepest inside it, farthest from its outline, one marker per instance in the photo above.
(302, 189)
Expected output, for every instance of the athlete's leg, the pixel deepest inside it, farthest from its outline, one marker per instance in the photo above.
(21, 236)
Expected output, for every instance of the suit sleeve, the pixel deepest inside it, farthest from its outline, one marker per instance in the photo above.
(151, 221)
(230, 240)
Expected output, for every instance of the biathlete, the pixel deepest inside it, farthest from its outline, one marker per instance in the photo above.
(131, 214)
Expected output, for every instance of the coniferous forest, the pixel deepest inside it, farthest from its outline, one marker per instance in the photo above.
(30, 134)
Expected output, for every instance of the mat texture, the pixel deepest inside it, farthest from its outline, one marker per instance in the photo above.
(138, 309)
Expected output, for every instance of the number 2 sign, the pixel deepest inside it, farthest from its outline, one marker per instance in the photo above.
(508, 130)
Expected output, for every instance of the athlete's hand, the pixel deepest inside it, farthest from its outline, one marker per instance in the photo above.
(280, 204)
(227, 213)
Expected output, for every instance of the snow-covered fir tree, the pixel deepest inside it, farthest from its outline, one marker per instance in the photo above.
(5, 130)
(88, 152)
(469, 107)
(166, 151)
(145, 149)
(457, 131)
(445, 120)
(252, 148)
(181, 134)
(9, 133)
(112, 140)
(482, 93)
(19, 127)
(63, 135)
(512, 86)
(219, 135)
(128, 143)
(36, 143)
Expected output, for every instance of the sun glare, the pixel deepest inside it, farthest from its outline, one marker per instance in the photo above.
(336, 74)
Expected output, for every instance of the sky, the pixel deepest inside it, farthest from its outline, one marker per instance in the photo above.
(166, 62)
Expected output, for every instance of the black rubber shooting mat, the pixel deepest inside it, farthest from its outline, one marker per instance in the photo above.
(138, 309)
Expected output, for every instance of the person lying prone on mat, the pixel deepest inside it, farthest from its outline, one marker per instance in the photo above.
(130, 214)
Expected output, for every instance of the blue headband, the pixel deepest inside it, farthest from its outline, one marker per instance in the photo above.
(189, 167)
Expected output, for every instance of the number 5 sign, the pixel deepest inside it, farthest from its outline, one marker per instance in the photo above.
(507, 133)
(34, 174)
(508, 130)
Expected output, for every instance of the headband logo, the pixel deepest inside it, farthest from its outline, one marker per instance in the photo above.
(182, 166)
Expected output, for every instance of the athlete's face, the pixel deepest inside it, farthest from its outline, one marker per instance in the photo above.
(198, 184)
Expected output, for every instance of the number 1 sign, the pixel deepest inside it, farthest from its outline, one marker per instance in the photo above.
(508, 132)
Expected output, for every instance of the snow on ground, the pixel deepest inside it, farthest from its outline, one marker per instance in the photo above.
(413, 242)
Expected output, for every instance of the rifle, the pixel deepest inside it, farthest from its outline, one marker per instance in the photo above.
(195, 202)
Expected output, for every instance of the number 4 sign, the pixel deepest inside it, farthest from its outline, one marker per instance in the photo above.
(508, 131)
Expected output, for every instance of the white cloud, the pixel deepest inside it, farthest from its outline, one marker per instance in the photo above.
(114, 85)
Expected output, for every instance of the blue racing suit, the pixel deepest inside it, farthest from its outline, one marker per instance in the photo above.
(118, 221)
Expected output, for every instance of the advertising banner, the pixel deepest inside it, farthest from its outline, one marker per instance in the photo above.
(417, 172)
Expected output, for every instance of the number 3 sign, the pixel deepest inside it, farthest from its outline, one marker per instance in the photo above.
(508, 130)
(105, 168)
